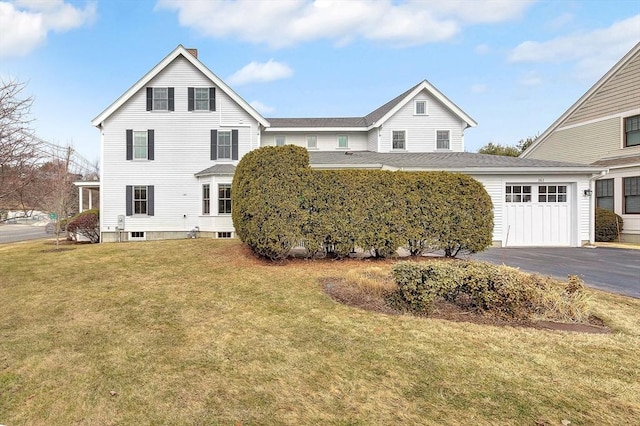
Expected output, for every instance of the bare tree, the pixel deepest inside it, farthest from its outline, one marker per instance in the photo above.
(18, 152)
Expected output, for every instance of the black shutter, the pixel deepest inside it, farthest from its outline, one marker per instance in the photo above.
(214, 144)
(212, 98)
(150, 144)
(150, 198)
(149, 98)
(191, 97)
(129, 144)
(171, 103)
(129, 200)
(234, 144)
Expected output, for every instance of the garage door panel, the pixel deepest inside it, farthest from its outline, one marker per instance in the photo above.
(543, 220)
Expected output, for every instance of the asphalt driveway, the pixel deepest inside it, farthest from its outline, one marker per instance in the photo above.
(609, 269)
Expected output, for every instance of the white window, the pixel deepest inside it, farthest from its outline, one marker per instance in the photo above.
(398, 139)
(206, 199)
(442, 139)
(160, 99)
(140, 145)
(518, 193)
(343, 141)
(140, 200)
(552, 193)
(224, 145)
(224, 198)
(201, 99)
(280, 140)
(420, 107)
(312, 141)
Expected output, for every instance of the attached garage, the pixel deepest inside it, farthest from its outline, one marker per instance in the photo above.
(539, 214)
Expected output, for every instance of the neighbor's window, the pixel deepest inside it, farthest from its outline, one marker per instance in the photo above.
(398, 140)
(421, 107)
(632, 195)
(632, 131)
(280, 140)
(552, 193)
(518, 193)
(140, 144)
(312, 141)
(343, 141)
(224, 144)
(206, 199)
(442, 139)
(140, 200)
(604, 194)
(224, 198)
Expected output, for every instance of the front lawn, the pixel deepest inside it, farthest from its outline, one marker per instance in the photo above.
(201, 332)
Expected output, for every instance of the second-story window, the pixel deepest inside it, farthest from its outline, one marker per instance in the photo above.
(160, 99)
(224, 145)
(442, 139)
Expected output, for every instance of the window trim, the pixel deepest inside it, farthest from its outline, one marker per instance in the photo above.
(219, 146)
(346, 137)
(221, 187)
(610, 182)
(206, 199)
(625, 195)
(315, 146)
(404, 141)
(448, 148)
(142, 201)
(151, 99)
(415, 107)
(275, 140)
(625, 132)
(146, 145)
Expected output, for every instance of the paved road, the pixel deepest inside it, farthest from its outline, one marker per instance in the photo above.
(10, 233)
(609, 269)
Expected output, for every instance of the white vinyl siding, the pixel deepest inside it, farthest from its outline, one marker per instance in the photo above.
(181, 135)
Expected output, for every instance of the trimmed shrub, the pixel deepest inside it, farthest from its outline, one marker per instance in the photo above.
(86, 224)
(279, 202)
(498, 291)
(608, 225)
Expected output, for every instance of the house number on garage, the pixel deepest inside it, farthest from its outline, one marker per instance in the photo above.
(540, 179)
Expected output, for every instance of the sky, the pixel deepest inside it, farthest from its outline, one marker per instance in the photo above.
(514, 66)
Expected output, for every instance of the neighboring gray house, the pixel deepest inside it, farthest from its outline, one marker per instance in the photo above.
(603, 129)
(170, 145)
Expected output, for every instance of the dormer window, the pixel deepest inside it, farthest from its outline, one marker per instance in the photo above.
(632, 131)
(160, 99)
(420, 107)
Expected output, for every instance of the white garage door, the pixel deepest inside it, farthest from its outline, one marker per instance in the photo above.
(537, 215)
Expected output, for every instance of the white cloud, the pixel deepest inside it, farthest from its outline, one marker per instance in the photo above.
(479, 88)
(256, 72)
(594, 52)
(26, 23)
(531, 79)
(261, 108)
(285, 23)
(482, 49)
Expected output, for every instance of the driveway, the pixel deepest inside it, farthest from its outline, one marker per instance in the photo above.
(609, 269)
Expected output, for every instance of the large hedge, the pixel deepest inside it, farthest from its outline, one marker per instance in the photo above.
(279, 202)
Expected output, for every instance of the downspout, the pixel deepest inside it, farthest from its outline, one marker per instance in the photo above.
(592, 206)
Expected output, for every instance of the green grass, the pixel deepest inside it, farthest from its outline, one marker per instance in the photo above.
(201, 332)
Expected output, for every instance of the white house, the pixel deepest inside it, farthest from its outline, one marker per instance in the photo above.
(171, 142)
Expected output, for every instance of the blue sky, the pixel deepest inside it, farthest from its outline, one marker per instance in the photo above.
(513, 65)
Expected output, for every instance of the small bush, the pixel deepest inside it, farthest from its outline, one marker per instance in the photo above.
(608, 225)
(86, 224)
(498, 291)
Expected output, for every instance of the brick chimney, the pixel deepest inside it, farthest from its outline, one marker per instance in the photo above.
(194, 52)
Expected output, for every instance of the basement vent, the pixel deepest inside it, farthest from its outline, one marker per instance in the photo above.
(136, 236)
(224, 234)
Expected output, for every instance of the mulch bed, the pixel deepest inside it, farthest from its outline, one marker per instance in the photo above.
(338, 290)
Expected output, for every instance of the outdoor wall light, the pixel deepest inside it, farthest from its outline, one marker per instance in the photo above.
(588, 192)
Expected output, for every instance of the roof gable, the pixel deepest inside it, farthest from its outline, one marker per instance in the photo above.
(180, 50)
(633, 54)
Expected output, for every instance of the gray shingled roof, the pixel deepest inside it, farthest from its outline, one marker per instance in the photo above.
(618, 161)
(431, 160)
(218, 169)
(365, 121)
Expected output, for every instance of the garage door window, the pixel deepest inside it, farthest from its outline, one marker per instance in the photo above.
(518, 193)
(552, 193)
